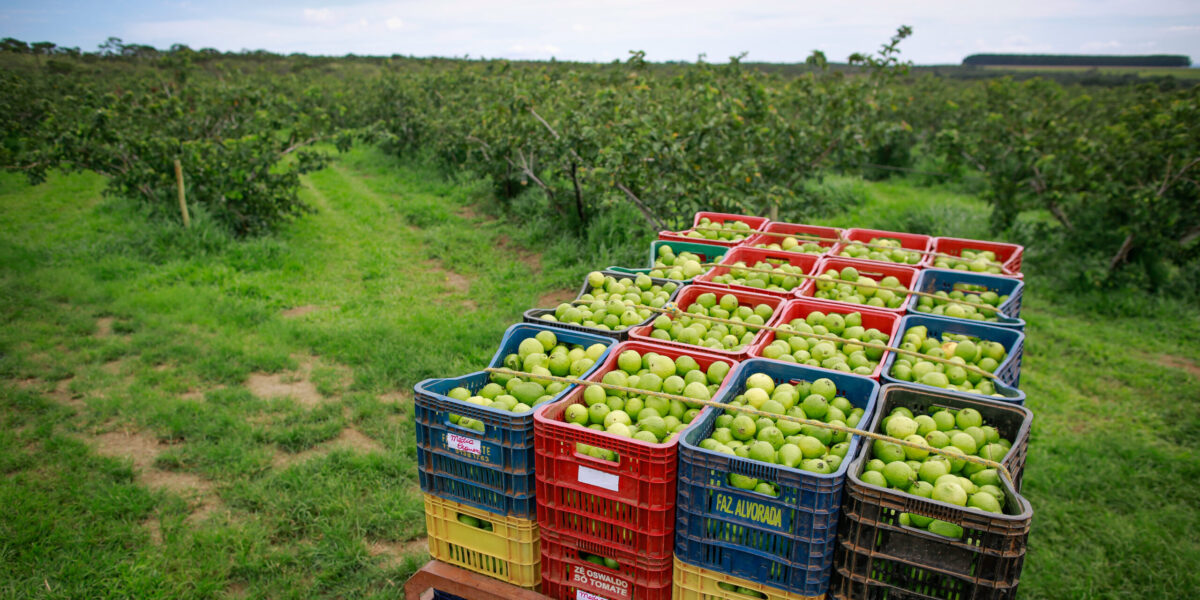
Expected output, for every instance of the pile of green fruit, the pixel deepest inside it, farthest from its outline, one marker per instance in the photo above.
(595, 559)
(846, 356)
(708, 229)
(782, 280)
(791, 244)
(702, 332)
(474, 522)
(945, 303)
(729, 587)
(922, 473)
(958, 348)
(610, 302)
(893, 252)
(679, 267)
(977, 261)
(848, 285)
(782, 442)
(650, 419)
(538, 355)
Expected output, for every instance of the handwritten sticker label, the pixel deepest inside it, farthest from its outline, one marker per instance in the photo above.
(600, 479)
(463, 443)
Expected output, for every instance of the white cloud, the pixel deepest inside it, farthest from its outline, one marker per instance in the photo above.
(1183, 28)
(393, 24)
(1099, 46)
(318, 15)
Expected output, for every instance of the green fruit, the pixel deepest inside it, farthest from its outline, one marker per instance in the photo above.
(577, 413)
(945, 529)
(468, 520)
(762, 452)
(874, 478)
(899, 475)
(984, 501)
(899, 426)
(950, 492)
(743, 427)
(459, 393)
(968, 417)
(742, 482)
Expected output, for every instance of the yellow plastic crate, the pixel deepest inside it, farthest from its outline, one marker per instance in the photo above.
(510, 552)
(698, 583)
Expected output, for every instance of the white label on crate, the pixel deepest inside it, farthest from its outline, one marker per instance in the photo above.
(615, 587)
(463, 443)
(600, 479)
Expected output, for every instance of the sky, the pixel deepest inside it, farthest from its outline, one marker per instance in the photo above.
(603, 30)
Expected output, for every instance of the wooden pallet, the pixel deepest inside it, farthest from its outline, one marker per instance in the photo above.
(437, 575)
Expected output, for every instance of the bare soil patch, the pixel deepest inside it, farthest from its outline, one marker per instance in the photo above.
(553, 298)
(141, 449)
(113, 367)
(300, 311)
(104, 327)
(533, 260)
(397, 397)
(1178, 362)
(393, 552)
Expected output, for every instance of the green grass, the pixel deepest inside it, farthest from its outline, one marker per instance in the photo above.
(121, 331)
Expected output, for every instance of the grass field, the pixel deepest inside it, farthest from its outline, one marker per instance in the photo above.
(182, 416)
(1178, 72)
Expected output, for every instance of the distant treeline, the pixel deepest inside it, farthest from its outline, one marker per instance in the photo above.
(1076, 60)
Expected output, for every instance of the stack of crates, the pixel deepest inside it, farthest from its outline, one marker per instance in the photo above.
(728, 538)
(608, 527)
(479, 485)
(878, 555)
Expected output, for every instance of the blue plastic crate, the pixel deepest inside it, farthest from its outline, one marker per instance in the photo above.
(534, 315)
(785, 542)
(493, 469)
(943, 280)
(1009, 371)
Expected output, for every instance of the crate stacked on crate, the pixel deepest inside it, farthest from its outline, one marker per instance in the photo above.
(1006, 345)
(705, 228)
(763, 259)
(571, 315)
(977, 256)
(841, 275)
(668, 255)
(795, 237)
(741, 340)
(1002, 293)
(475, 463)
(606, 503)
(767, 527)
(817, 313)
(946, 539)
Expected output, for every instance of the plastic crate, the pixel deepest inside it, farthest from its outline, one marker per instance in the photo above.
(871, 269)
(832, 233)
(909, 241)
(707, 252)
(698, 583)
(877, 557)
(509, 552)
(534, 315)
(751, 256)
(627, 505)
(566, 575)
(943, 280)
(784, 542)
(1008, 255)
(689, 295)
(755, 223)
(492, 470)
(872, 318)
(1009, 371)
(1013, 422)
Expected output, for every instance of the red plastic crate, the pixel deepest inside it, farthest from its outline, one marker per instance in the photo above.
(685, 299)
(796, 229)
(910, 241)
(750, 256)
(628, 504)
(872, 269)
(567, 576)
(1008, 255)
(755, 223)
(872, 317)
